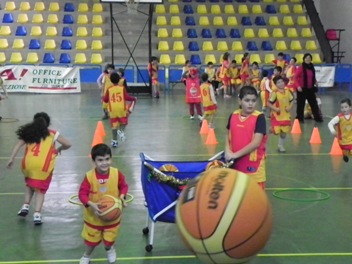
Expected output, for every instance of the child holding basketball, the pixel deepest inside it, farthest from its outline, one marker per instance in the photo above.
(38, 161)
(208, 99)
(116, 97)
(340, 127)
(101, 180)
(280, 103)
(104, 83)
(246, 137)
(193, 96)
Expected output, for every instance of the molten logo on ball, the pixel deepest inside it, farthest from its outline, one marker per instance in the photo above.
(224, 216)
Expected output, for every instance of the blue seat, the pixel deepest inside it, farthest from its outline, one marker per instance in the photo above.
(214, 1)
(266, 45)
(193, 46)
(195, 59)
(260, 21)
(287, 57)
(34, 44)
(200, 1)
(192, 33)
(270, 9)
(187, 1)
(21, 31)
(48, 58)
(246, 21)
(241, 1)
(220, 33)
(251, 45)
(7, 18)
(69, 7)
(68, 19)
(67, 32)
(235, 33)
(65, 58)
(206, 33)
(254, 1)
(187, 9)
(66, 44)
(227, 1)
(189, 21)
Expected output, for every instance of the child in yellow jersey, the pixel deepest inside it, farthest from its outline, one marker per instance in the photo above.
(308, 114)
(341, 127)
(279, 61)
(246, 138)
(211, 71)
(280, 103)
(101, 180)
(265, 90)
(277, 72)
(185, 71)
(208, 99)
(104, 83)
(254, 73)
(38, 161)
(235, 76)
(116, 97)
(153, 70)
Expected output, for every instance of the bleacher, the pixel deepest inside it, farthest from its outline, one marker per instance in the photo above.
(202, 30)
(55, 32)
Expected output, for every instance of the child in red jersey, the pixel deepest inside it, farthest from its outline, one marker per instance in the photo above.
(343, 124)
(38, 161)
(116, 97)
(101, 180)
(208, 99)
(224, 74)
(246, 138)
(244, 71)
(279, 61)
(153, 70)
(280, 103)
(290, 75)
(104, 83)
(193, 97)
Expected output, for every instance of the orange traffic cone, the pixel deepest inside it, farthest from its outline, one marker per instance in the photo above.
(204, 128)
(211, 139)
(315, 138)
(335, 148)
(97, 139)
(296, 128)
(100, 128)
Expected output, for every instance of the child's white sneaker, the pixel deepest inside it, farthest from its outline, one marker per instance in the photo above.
(200, 117)
(121, 135)
(114, 143)
(84, 260)
(281, 149)
(191, 117)
(111, 255)
(24, 210)
(37, 218)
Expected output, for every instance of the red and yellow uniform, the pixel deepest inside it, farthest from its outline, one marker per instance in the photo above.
(116, 97)
(106, 84)
(211, 73)
(244, 72)
(193, 90)
(272, 84)
(235, 75)
(264, 92)
(281, 63)
(344, 134)
(208, 105)
(38, 162)
(153, 72)
(224, 73)
(241, 131)
(93, 187)
(255, 77)
(290, 73)
(281, 122)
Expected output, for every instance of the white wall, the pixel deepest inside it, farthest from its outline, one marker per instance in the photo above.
(337, 14)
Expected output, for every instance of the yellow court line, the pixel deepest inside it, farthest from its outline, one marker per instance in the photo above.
(336, 254)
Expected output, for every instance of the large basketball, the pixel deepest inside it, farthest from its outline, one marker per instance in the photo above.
(224, 216)
(110, 207)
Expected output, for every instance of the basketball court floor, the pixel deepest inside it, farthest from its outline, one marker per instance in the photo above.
(312, 216)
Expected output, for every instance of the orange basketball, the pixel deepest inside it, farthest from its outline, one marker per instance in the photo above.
(224, 216)
(168, 168)
(110, 207)
(215, 164)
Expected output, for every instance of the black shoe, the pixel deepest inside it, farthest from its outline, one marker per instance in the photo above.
(320, 120)
(0, 118)
(345, 159)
